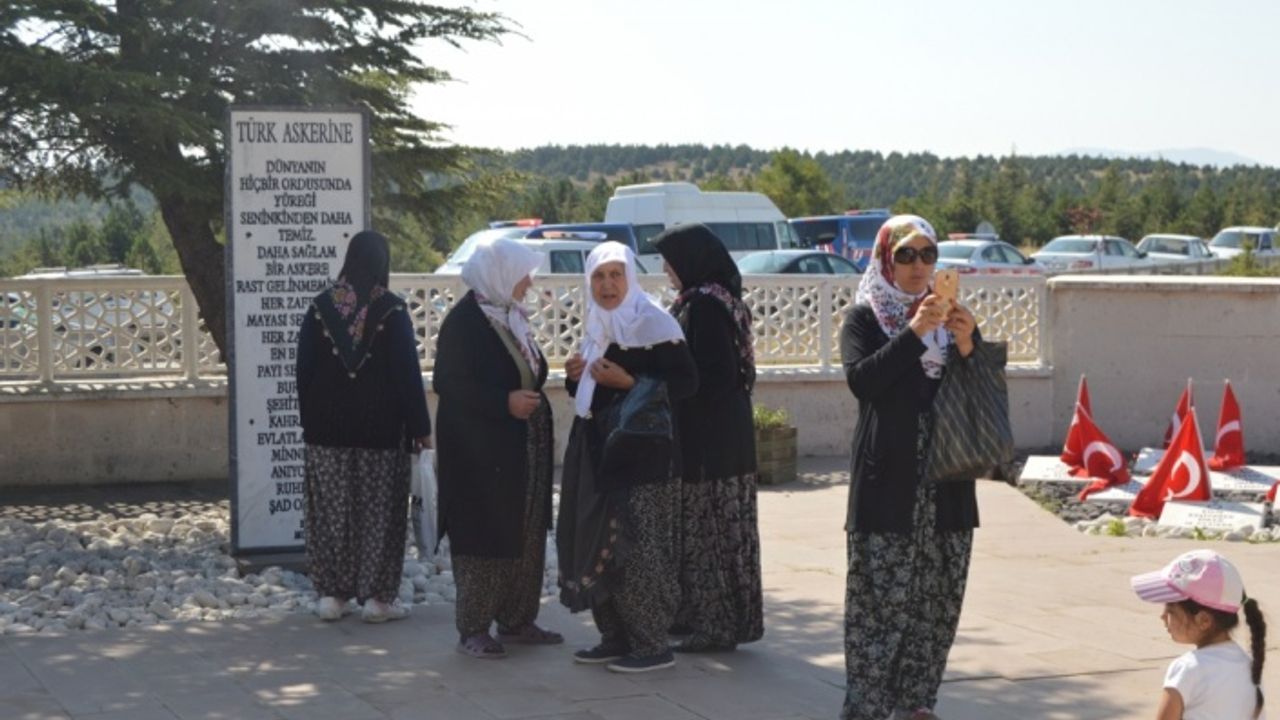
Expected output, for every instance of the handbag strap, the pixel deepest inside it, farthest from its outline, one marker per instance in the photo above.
(509, 341)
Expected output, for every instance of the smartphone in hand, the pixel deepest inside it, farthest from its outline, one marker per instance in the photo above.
(946, 284)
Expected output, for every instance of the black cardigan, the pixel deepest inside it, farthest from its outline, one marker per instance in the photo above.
(669, 361)
(892, 390)
(383, 406)
(717, 438)
(483, 463)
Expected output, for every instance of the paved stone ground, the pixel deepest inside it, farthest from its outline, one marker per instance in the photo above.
(1050, 630)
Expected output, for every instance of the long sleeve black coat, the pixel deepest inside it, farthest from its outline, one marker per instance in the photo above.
(717, 437)
(383, 406)
(886, 377)
(481, 448)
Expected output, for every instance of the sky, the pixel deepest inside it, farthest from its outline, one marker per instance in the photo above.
(988, 77)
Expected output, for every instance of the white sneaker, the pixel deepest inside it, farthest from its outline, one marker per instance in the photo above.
(329, 609)
(379, 612)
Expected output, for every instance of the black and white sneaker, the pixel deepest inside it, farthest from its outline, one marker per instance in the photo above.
(633, 664)
(601, 653)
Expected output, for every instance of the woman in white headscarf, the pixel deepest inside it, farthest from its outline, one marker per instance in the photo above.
(615, 533)
(495, 452)
(908, 541)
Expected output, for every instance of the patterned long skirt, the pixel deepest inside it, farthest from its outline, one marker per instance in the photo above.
(357, 513)
(643, 593)
(903, 596)
(721, 596)
(509, 590)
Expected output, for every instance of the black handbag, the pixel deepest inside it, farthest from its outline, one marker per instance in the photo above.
(972, 435)
(638, 431)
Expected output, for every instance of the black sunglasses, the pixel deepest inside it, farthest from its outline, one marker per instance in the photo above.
(908, 255)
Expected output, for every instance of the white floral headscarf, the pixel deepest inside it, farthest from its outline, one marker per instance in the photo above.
(891, 304)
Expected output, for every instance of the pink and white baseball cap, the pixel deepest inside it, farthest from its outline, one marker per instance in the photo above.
(1200, 575)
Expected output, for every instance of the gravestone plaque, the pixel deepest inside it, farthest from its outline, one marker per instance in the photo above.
(1213, 515)
(1048, 468)
(1256, 479)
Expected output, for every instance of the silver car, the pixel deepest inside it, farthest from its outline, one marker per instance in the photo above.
(1230, 242)
(1070, 253)
(1174, 248)
(986, 256)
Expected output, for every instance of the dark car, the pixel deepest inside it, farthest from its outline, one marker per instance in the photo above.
(800, 262)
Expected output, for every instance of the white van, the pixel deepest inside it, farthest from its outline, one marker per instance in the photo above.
(745, 221)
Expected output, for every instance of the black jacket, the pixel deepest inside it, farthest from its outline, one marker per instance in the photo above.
(892, 390)
(483, 462)
(717, 437)
(382, 407)
(668, 361)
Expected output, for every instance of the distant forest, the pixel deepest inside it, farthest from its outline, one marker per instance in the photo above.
(1028, 199)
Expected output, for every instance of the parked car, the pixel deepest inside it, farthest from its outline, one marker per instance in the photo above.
(618, 232)
(453, 265)
(1174, 248)
(1089, 252)
(802, 262)
(1230, 242)
(985, 254)
(851, 235)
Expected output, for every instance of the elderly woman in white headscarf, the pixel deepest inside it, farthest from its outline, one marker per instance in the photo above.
(908, 541)
(495, 451)
(615, 533)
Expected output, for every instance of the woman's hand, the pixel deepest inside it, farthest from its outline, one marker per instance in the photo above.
(421, 443)
(611, 374)
(929, 316)
(574, 366)
(961, 324)
(522, 403)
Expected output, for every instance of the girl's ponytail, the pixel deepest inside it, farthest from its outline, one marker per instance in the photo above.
(1257, 645)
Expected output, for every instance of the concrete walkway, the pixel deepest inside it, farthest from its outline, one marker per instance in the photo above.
(1050, 630)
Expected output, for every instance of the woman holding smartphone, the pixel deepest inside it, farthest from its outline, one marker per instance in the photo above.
(908, 541)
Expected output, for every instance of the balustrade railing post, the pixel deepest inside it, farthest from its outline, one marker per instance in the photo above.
(826, 316)
(190, 335)
(44, 331)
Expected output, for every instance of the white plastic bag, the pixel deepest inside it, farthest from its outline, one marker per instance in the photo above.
(422, 504)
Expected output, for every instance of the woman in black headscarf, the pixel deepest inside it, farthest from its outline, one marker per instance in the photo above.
(721, 599)
(362, 403)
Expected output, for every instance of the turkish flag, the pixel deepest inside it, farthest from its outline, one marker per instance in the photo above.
(1100, 459)
(1181, 475)
(1228, 445)
(1271, 494)
(1184, 406)
(1073, 447)
(1082, 397)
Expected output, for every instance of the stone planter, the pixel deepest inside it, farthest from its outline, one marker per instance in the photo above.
(775, 455)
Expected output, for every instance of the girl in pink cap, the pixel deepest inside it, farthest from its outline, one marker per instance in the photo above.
(1203, 595)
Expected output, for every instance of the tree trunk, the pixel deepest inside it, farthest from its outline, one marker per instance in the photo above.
(202, 261)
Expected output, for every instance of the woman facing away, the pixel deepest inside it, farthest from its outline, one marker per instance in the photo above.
(909, 541)
(616, 530)
(362, 405)
(1203, 595)
(718, 538)
(495, 452)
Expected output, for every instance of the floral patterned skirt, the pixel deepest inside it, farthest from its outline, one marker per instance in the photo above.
(357, 513)
(719, 552)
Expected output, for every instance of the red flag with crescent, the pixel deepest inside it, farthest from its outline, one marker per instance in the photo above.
(1271, 494)
(1073, 447)
(1228, 444)
(1100, 459)
(1185, 404)
(1181, 475)
(1082, 397)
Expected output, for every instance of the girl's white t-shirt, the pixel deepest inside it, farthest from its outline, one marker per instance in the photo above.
(1215, 683)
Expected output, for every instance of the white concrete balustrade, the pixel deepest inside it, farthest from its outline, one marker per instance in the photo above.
(130, 327)
(133, 407)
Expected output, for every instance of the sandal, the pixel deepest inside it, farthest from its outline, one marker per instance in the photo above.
(483, 646)
(530, 634)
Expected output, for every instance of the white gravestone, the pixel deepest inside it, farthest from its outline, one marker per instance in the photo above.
(1214, 515)
(1256, 479)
